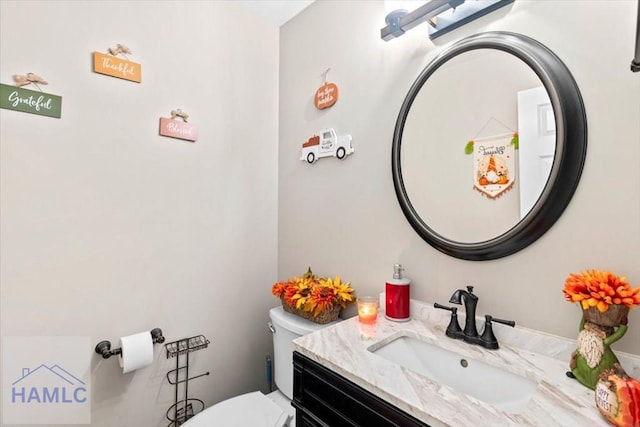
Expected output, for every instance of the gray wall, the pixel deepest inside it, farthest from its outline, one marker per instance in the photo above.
(109, 229)
(344, 218)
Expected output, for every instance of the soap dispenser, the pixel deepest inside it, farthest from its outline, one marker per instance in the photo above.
(397, 296)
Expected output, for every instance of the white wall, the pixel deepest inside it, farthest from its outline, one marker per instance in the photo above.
(344, 218)
(109, 229)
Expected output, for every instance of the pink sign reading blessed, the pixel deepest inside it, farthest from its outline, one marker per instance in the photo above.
(178, 129)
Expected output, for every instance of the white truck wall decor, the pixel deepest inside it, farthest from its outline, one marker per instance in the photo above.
(325, 145)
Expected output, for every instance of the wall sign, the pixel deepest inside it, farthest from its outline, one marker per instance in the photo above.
(174, 128)
(327, 94)
(493, 165)
(30, 101)
(112, 65)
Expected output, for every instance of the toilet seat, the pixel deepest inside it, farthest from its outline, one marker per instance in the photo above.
(252, 409)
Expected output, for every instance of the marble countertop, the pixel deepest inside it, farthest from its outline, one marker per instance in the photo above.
(558, 400)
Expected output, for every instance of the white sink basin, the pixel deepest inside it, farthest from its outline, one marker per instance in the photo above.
(502, 389)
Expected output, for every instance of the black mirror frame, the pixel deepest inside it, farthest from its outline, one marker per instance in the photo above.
(568, 162)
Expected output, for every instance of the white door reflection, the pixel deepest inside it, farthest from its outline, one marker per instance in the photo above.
(537, 130)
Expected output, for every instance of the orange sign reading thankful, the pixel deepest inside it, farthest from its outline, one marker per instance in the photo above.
(117, 67)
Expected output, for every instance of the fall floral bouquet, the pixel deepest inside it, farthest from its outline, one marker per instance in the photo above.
(599, 291)
(315, 298)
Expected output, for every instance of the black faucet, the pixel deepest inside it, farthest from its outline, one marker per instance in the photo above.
(488, 339)
(453, 330)
(470, 332)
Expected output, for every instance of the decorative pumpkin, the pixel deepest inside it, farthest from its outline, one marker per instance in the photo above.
(618, 397)
(326, 95)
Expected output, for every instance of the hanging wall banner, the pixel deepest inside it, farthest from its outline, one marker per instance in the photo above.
(117, 67)
(174, 128)
(493, 165)
(30, 101)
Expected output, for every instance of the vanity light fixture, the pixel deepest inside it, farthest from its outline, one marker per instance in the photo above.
(442, 15)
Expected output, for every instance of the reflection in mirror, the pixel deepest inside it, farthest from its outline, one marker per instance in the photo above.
(479, 95)
(537, 129)
(499, 199)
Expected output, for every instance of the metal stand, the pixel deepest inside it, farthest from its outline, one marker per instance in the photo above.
(182, 409)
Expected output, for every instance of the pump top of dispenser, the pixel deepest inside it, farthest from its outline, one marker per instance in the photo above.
(397, 271)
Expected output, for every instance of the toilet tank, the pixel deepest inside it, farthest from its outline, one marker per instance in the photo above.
(287, 327)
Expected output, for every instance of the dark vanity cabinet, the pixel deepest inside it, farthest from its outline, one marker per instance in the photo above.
(323, 398)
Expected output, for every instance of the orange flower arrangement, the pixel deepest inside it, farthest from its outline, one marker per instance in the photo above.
(600, 289)
(314, 294)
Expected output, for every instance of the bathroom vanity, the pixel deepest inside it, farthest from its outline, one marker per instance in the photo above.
(322, 397)
(411, 374)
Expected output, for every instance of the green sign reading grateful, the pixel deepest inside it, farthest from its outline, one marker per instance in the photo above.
(30, 101)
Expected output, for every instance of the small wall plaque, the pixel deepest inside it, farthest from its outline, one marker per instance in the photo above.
(327, 94)
(30, 101)
(111, 65)
(180, 129)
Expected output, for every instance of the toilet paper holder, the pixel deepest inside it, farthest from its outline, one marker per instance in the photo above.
(104, 347)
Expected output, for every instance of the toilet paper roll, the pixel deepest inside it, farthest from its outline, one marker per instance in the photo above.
(137, 351)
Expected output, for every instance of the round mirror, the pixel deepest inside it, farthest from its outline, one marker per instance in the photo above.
(489, 146)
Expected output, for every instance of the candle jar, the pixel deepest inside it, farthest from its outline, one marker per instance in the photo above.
(368, 309)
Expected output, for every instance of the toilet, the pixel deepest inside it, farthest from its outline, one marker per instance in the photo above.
(256, 409)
